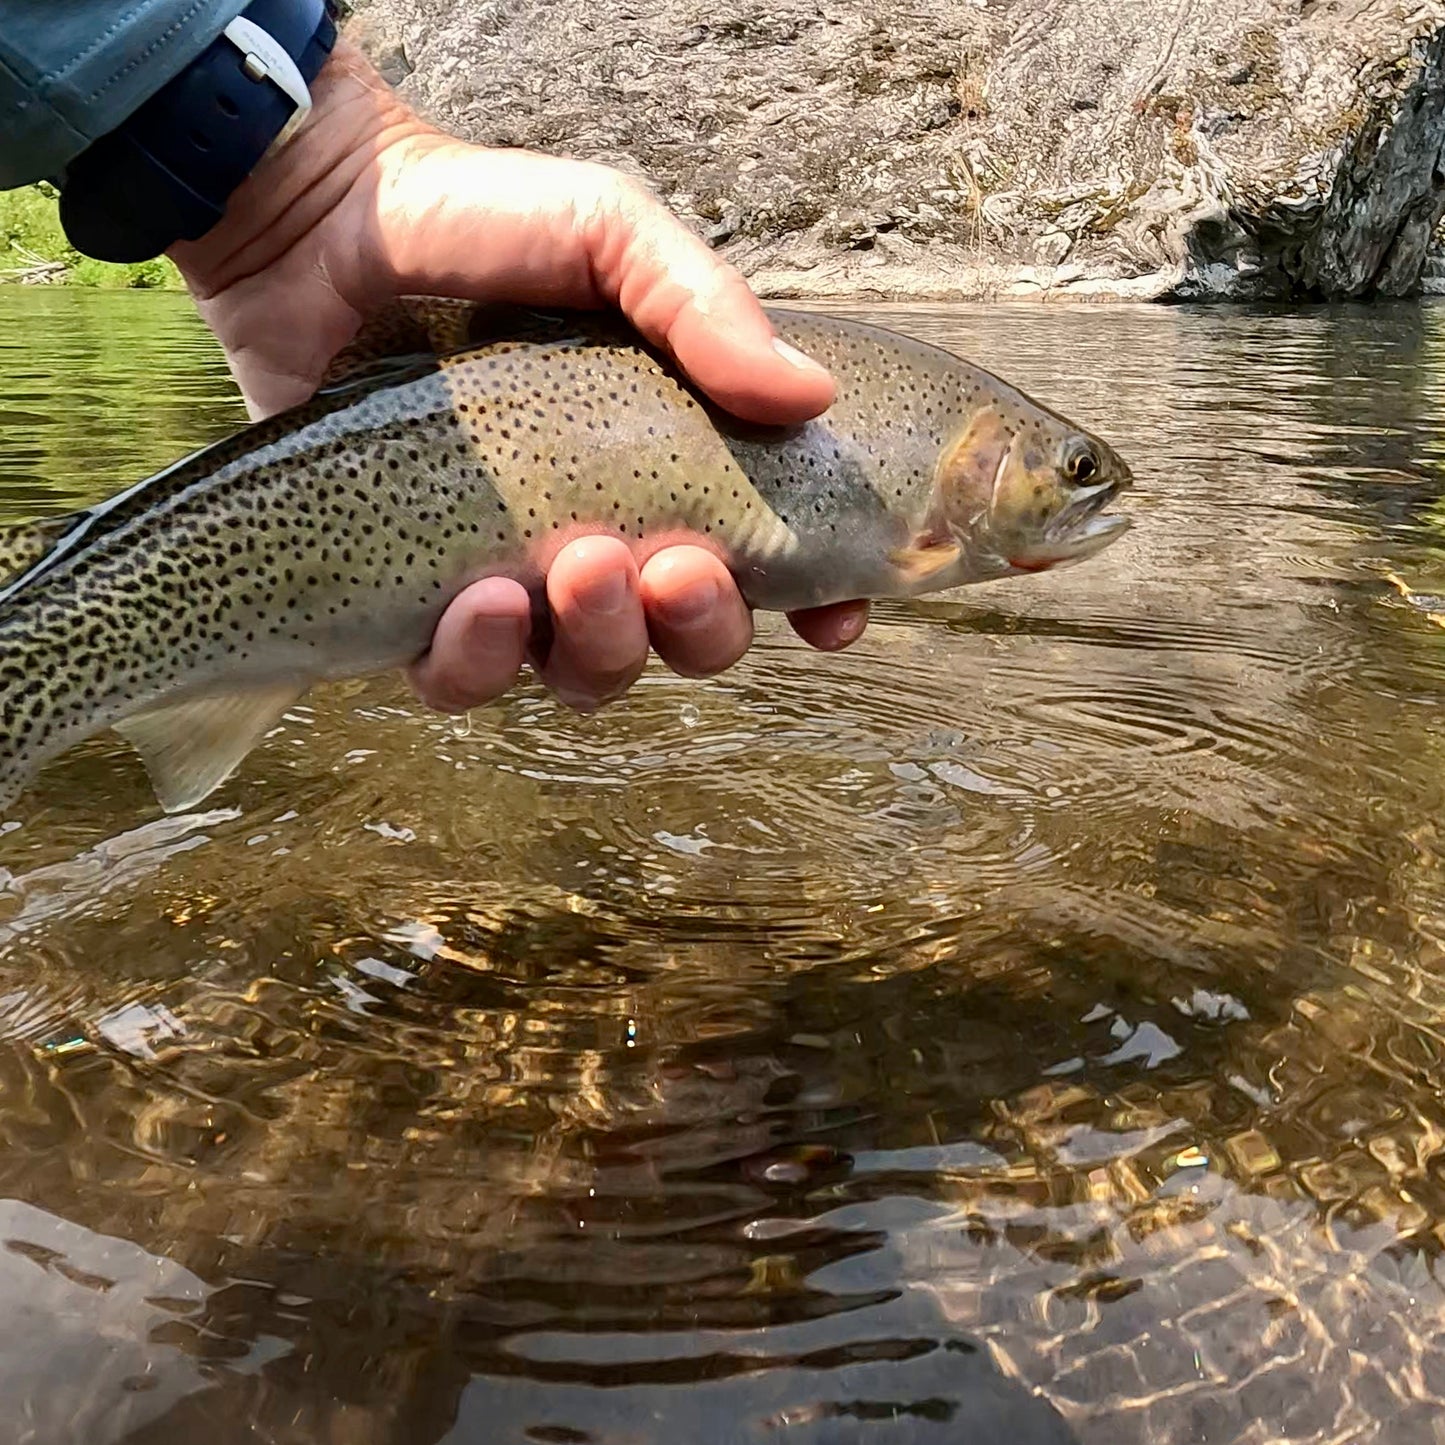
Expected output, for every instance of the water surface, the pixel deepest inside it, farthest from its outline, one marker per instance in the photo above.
(1026, 1026)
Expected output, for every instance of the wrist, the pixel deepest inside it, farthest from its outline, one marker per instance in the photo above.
(166, 171)
(324, 165)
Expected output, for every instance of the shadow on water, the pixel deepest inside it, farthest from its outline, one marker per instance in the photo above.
(1025, 1026)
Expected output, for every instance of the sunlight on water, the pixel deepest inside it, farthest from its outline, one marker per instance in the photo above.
(1025, 1026)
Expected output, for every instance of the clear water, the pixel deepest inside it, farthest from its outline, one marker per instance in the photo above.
(1026, 1026)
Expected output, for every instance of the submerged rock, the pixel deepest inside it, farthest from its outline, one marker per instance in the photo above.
(1152, 148)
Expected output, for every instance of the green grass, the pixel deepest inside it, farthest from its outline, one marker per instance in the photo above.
(31, 238)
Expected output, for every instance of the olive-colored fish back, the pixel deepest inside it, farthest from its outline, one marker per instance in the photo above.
(414, 326)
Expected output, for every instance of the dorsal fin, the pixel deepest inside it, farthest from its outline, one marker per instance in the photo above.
(24, 544)
(408, 327)
(416, 326)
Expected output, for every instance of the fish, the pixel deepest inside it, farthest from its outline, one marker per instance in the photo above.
(453, 441)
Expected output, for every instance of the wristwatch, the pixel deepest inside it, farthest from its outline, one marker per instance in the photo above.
(166, 173)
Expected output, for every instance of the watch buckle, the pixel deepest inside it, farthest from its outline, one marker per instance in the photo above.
(266, 59)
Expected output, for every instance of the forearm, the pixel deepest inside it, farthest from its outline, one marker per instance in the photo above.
(73, 70)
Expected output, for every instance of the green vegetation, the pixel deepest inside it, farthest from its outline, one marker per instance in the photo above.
(33, 248)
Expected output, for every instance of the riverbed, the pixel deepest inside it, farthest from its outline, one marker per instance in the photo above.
(1025, 1026)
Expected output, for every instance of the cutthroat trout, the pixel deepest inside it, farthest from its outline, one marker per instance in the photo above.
(454, 442)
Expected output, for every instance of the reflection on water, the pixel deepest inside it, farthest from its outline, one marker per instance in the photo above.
(1025, 1027)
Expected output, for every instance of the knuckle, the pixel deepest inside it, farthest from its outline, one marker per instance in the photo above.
(600, 650)
(602, 195)
(448, 702)
(630, 192)
(612, 683)
(696, 661)
(587, 689)
(450, 695)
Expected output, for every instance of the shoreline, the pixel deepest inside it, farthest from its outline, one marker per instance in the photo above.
(35, 251)
(952, 279)
(1096, 291)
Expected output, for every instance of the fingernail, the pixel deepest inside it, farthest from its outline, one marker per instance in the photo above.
(795, 357)
(579, 702)
(850, 627)
(689, 604)
(488, 634)
(605, 594)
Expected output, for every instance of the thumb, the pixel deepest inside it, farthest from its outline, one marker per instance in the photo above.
(682, 296)
(723, 339)
(480, 224)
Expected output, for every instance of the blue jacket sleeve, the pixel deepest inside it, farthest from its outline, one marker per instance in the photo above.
(71, 70)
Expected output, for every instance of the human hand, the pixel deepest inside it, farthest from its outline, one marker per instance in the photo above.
(367, 203)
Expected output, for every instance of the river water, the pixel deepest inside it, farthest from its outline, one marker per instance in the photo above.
(1024, 1027)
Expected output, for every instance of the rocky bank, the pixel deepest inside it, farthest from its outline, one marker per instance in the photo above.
(1172, 149)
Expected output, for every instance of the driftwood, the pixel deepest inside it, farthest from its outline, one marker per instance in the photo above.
(35, 270)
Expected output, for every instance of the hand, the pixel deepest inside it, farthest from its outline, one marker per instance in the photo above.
(368, 203)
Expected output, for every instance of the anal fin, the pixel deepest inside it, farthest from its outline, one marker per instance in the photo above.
(190, 748)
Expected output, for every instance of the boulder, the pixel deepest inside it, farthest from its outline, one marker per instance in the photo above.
(1177, 149)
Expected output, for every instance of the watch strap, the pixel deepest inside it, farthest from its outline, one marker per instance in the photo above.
(166, 174)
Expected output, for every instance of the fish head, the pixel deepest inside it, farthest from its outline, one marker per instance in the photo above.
(1026, 490)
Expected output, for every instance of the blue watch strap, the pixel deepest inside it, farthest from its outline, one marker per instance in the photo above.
(166, 174)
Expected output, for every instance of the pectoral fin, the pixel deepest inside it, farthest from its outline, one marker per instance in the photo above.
(190, 748)
(924, 558)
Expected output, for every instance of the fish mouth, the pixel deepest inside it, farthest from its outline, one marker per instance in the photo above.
(1079, 531)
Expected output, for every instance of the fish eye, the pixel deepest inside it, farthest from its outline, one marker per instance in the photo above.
(1081, 464)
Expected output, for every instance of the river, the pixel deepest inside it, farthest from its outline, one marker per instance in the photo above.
(1027, 1026)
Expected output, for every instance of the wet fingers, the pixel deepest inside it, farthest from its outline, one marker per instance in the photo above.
(698, 621)
(832, 628)
(477, 649)
(600, 641)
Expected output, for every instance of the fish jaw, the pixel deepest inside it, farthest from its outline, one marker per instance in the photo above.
(1082, 530)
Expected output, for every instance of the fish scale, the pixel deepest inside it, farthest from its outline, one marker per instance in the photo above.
(579, 437)
(191, 610)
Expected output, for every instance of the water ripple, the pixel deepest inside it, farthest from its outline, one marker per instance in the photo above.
(1021, 1026)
